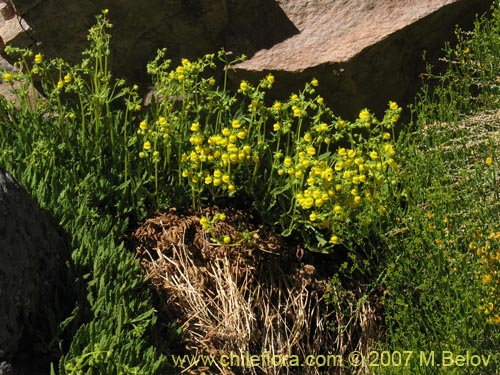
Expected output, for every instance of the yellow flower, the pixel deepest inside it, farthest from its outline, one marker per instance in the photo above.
(204, 222)
(373, 155)
(235, 124)
(337, 209)
(208, 180)
(186, 63)
(244, 85)
(211, 81)
(488, 161)
(334, 240)
(387, 136)
(351, 153)
(227, 239)
(277, 105)
(226, 132)
(181, 77)
(226, 178)
(487, 278)
(288, 161)
(357, 199)
(7, 77)
(311, 150)
(105, 11)
(294, 97)
(38, 58)
(231, 188)
(270, 78)
(390, 150)
(320, 100)
(185, 173)
(393, 105)
(314, 82)
(242, 134)
(313, 216)
(307, 137)
(156, 155)
(143, 125)
(323, 127)
(60, 84)
(297, 112)
(195, 127)
(67, 78)
(146, 146)
(142, 155)
(364, 115)
(276, 127)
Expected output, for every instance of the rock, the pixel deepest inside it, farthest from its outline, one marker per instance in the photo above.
(189, 28)
(32, 265)
(364, 53)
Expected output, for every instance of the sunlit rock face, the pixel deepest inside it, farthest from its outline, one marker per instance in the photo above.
(364, 52)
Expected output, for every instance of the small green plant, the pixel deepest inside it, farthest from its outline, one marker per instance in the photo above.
(79, 109)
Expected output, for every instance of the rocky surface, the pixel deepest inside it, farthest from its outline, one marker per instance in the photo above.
(31, 268)
(365, 52)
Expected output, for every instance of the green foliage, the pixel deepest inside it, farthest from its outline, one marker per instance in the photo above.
(440, 288)
(470, 80)
(207, 143)
(66, 146)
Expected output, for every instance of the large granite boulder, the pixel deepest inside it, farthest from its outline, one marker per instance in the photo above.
(32, 253)
(364, 52)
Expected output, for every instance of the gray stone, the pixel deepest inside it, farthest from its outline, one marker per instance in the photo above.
(31, 265)
(364, 52)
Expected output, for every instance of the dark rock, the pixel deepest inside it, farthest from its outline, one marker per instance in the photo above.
(32, 253)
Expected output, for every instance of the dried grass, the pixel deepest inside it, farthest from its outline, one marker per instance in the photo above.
(251, 298)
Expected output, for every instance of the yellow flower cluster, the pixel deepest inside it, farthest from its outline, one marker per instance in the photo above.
(159, 132)
(329, 190)
(213, 159)
(487, 249)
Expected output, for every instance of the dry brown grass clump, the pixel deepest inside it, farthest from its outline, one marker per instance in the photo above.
(248, 298)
